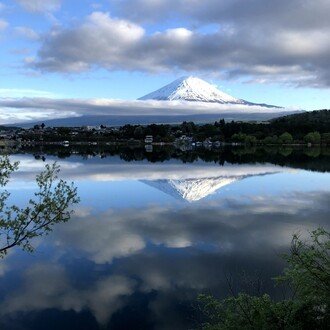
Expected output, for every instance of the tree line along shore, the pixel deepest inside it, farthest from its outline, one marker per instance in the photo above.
(305, 128)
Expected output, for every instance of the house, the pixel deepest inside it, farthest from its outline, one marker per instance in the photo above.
(149, 139)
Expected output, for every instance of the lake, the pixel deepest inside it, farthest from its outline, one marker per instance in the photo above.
(155, 229)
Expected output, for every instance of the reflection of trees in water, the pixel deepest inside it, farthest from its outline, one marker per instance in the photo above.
(285, 151)
(313, 152)
(50, 205)
(309, 158)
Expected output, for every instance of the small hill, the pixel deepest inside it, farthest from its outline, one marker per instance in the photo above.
(307, 121)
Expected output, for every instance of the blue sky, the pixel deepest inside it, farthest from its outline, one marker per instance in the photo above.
(274, 52)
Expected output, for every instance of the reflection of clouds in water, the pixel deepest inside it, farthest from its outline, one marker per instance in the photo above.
(73, 169)
(231, 225)
(48, 286)
(103, 236)
(3, 268)
(192, 249)
(29, 167)
(189, 182)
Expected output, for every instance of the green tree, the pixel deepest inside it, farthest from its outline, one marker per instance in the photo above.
(313, 137)
(139, 132)
(309, 269)
(270, 139)
(308, 273)
(285, 138)
(250, 140)
(238, 137)
(63, 131)
(51, 205)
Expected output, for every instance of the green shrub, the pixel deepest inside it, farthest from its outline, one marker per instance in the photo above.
(308, 273)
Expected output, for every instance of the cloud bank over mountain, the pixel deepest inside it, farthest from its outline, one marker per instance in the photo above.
(183, 97)
(15, 110)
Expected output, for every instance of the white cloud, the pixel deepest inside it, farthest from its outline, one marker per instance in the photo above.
(100, 40)
(235, 234)
(3, 24)
(275, 14)
(50, 287)
(27, 32)
(143, 171)
(180, 228)
(13, 110)
(17, 92)
(299, 56)
(40, 6)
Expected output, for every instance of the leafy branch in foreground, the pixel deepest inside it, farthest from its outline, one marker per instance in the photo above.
(51, 204)
(309, 267)
(308, 273)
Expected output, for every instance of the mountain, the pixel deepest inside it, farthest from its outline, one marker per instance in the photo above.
(205, 96)
(194, 89)
(191, 89)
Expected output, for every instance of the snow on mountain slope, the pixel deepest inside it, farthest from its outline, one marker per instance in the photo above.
(191, 190)
(191, 89)
(195, 189)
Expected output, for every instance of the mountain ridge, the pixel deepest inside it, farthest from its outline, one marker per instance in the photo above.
(116, 120)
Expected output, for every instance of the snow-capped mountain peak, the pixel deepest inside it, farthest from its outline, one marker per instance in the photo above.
(191, 89)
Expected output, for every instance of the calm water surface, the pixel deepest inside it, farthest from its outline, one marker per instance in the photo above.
(147, 238)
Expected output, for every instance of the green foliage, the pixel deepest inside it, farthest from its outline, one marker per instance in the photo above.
(309, 267)
(285, 151)
(244, 138)
(6, 168)
(51, 205)
(238, 137)
(138, 132)
(250, 140)
(308, 272)
(313, 137)
(63, 130)
(285, 138)
(314, 152)
(234, 131)
(271, 139)
(252, 312)
(326, 138)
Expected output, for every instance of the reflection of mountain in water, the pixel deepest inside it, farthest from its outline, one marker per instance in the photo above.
(192, 190)
(195, 189)
(189, 182)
